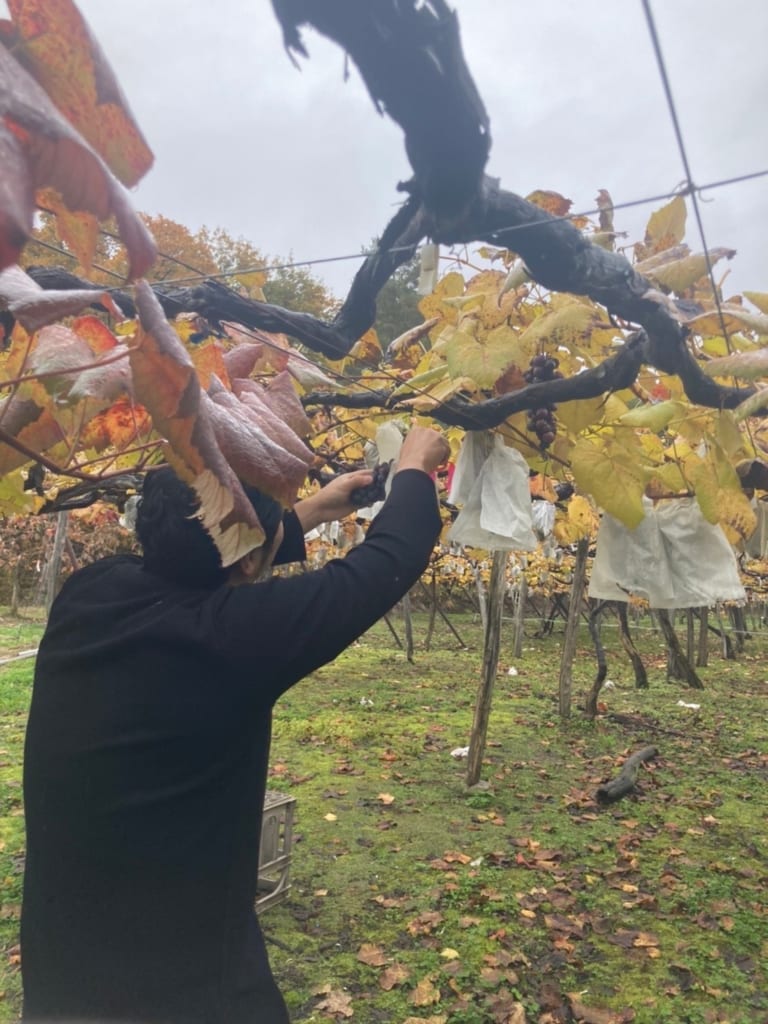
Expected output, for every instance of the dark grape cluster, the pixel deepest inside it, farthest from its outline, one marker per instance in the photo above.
(374, 491)
(541, 421)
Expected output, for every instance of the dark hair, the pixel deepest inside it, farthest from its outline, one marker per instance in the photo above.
(176, 545)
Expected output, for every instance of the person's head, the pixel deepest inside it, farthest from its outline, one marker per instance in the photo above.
(177, 546)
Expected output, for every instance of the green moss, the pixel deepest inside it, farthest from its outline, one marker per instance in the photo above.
(655, 904)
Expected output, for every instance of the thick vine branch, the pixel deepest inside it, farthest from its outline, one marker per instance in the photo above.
(409, 55)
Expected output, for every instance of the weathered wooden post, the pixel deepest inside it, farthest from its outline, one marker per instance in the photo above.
(496, 589)
(572, 627)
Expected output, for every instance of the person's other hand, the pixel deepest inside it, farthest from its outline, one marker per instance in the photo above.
(424, 449)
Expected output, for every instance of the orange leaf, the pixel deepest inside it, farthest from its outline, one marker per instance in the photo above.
(56, 156)
(552, 202)
(116, 427)
(55, 45)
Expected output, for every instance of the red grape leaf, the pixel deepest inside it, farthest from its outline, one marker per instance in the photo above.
(249, 445)
(54, 43)
(58, 157)
(255, 397)
(166, 383)
(17, 205)
(30, 423)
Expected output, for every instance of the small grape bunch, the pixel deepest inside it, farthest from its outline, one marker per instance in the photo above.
(541, 421)
(374, 491)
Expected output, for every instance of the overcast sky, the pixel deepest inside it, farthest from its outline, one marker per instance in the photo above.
(299, 162)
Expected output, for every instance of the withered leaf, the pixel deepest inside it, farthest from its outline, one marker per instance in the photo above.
(394, 975)
(425, 993)
(372, 955)
(336, 1004)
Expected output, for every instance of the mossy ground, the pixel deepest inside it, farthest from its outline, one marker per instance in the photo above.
(415, 897)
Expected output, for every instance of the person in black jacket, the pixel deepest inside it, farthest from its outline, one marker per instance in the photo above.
(147, 748)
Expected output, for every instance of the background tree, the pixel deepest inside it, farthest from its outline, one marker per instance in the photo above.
(397, 305)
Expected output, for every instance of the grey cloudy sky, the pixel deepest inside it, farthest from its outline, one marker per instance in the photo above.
(299, 162)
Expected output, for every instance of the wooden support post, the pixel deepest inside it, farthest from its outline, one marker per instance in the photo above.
(481, 600)
(490, 666)
(408, 624)
(522, 601)
(54, 563)
(702, 654)
(572, 628)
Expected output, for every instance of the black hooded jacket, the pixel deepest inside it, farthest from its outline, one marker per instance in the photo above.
(145, 770)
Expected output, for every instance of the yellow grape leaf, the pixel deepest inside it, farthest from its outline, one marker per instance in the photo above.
(752, 405)
(578, 415)
(715, 346)
(367, 349)
(736, 318)
(434, 305)
(692, 424)
(441, 392)
(422, 381)
(728, 435)
(612, 477)
(759, 299)
(498, 305)
(745, 365)
(466, 303)
(565, 322)
(653, 417)
(580, 520)
(14, 500)
(506, 339)
(665, 480)
(666, 226)
(653, 447)
(680, 274)
(719, 493)
(482, 359)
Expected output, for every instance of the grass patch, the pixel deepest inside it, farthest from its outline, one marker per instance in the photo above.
(414, 897)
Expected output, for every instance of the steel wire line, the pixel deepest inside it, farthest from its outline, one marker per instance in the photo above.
(688, 189)
(690, 186)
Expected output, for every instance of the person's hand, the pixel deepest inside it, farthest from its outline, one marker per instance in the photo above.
(424, 449)
(332, 501)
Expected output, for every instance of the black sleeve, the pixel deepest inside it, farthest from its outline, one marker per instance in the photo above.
(282, 629)
(292, 548)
